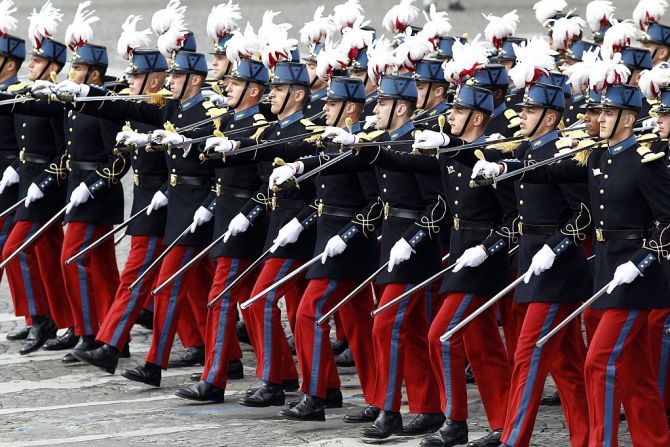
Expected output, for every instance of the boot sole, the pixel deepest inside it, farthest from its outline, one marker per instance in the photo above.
(139, 379)
(275, 403)
(193, 399)
(286, 415)
(107, 369)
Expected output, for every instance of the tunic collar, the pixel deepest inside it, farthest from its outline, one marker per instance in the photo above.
(402, 130)
(622, 146)
(188, 104)
(544, 139)
(291, 119)
(249, 111)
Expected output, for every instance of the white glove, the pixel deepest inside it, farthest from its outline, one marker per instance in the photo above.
(72, 88)
(400, 252)
(41, 87)
(542, 261)
(494, 137)
(33, 195)
(215, 98)
(174, 139)
(281, 175)
(288, 234)
(487, 169)
(220, 144)
(339, 135)
(79, 195)
(159, 200)
(472, 257)
(129, 137)
(650, 124)
(9, 177)
(201, 216)
(334, 247)
(429, 139)
(370, 122)
(624, 274)
(238, 224)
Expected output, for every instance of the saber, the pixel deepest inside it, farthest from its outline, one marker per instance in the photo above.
(239, 277)
(541, 342)
(119, 239)
(18, 100)
(160, 258)
(11, 209)
(352, 294)
(188, 265)
(217, 155)
(113, 98)
(282, 281)
(106, 236)
(32, 238)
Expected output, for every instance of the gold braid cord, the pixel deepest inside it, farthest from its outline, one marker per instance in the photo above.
(113, 175)
(262, 199)
(431, 223)
(59, 169)
(576, 230)
(661, 249)
(509, 233)
(366, 221)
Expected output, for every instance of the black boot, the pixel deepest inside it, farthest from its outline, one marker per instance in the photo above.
(333, 399)
(424, 423)
(85, 343)
(490, 440)
(242, 334)
(190, 357)
(145, 319)
(387, 424)
(66, 341)
(125, 352)
(310, 408)
(43, 328)
(338, 346)
(149, 374)
(345, 359)
(105, 357)
(201, 392)
(367, 414)
(552, 400)
(289, 386)
(451, 433)
(269, 394)
(235, 372)
(18, 333)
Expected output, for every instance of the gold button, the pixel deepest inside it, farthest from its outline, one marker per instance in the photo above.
(24, 124)
(323, 186)
(278, 133)
(70, 129)
(602, 207)
(23, 137)
(609, 161)
(602, 223)
(458, 175)
(520, 186)
(602, 191)
(529, 156)
(74, 117)
(384, 175)
(606, 176)
(69, 142)
(455, 202)
(232, 125)
(521, 217)
(23, 148)
(174, 157)
(572, 107)
(174, 170)
(458, 189)
(218, 179)
(134, 157)
(520, 202)
(456, 215)
(179, 116)
(384, 190)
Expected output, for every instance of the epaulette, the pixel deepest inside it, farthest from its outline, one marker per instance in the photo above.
(260, 118)
(125, 91)
(160, 97)
(507, 147)
(576, 134)
(18, 87)
(256, 135)
(416, 113)
(370, 136)
(512, 118)
(316, 136)
(214, 111)
(583, 157)
(645, 141)
(309, 125)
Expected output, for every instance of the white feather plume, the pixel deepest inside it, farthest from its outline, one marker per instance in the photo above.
(649, 11)
(243, 45)
(533, 58)
(580, 72)
(413, 49)
(400, 16)
(173, 39)
(332, 57)
(619, 36)
(566, 30)
(381, 60)
(356, 39)
(43, 24)
(318, 29)
(132, 39)
(500, 27)
(275, 43)
(345, 14)
(608, 71)
(222, 20)
(79, 31)
(437, 25)
(163, 18)
(652, 81)
(467, 58)
(546, 9)
(7, 20)
(599, 13)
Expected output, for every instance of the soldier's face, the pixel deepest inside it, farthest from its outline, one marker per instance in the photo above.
(422, 90)
(177, 81)
(382, 112)
(220, 65)
(457, 119)
(332, 110)
(135, 82)
(234, 91)
(663, 120)
(277, 97)
(36, 67)
(591, 122)
(79, 72)
(608, 122)
(530, 116)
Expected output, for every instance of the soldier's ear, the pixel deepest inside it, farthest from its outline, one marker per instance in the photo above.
(439, 91)
(663, 53)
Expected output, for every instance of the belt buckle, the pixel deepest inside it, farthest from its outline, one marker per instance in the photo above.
(273, 202)
(520, 227)
(136, 179)
(457, 223)
(22, 158)
(218, 190)
(319, 208)
(386, 211)
(173, 180)
(599, 235)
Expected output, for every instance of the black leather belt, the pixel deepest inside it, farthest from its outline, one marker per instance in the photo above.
(226, 191)
(620, 235)
(401, 213)
(8, 155)
(460, 224)
(27, 157)
(326, 210)
(537, 229)
(82, 165)
(148, 181)
(287, 203)
(189, 180)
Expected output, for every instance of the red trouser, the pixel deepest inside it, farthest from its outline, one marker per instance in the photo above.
(92, 280)
(563, 356)
(315, 356)
(485, 351)
(400, 342)
(273, 355)
(115, 329)
(619, 370)
(591, 320)
(659, 340)
(34, 279)
(192, 289)
(511, 317)
(221, 344)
